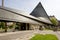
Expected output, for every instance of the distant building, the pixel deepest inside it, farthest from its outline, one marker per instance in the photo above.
(34, 21)
(53, 17)
(58, 26)
(59, 23)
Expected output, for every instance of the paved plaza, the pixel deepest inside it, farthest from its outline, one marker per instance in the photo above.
(25, 35)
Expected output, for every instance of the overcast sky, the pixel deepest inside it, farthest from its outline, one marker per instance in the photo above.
(52, 7)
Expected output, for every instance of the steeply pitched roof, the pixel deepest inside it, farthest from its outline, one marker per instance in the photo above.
(39, 11)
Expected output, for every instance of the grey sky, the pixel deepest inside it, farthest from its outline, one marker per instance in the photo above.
(52, 7)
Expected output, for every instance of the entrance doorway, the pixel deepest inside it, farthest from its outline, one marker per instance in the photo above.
(23, 26)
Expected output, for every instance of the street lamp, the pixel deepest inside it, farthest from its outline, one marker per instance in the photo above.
(2, 3)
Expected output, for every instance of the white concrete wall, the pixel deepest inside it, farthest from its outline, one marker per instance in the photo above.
(34, 26)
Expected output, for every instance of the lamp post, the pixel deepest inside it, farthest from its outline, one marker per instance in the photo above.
(2, 3)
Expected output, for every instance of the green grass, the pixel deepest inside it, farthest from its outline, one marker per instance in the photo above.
(44, 37)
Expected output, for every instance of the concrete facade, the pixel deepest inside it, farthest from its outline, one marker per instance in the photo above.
(28, 22)
(34, 27)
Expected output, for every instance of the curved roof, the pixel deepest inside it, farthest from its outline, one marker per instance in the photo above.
(19, 16)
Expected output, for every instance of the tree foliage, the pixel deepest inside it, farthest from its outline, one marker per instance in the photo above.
(54, 21)
(2, 25)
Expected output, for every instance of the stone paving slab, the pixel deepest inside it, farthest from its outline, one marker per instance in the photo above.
(21, 35)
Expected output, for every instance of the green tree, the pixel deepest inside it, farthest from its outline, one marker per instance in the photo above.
(3, 26)
(54, 21)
